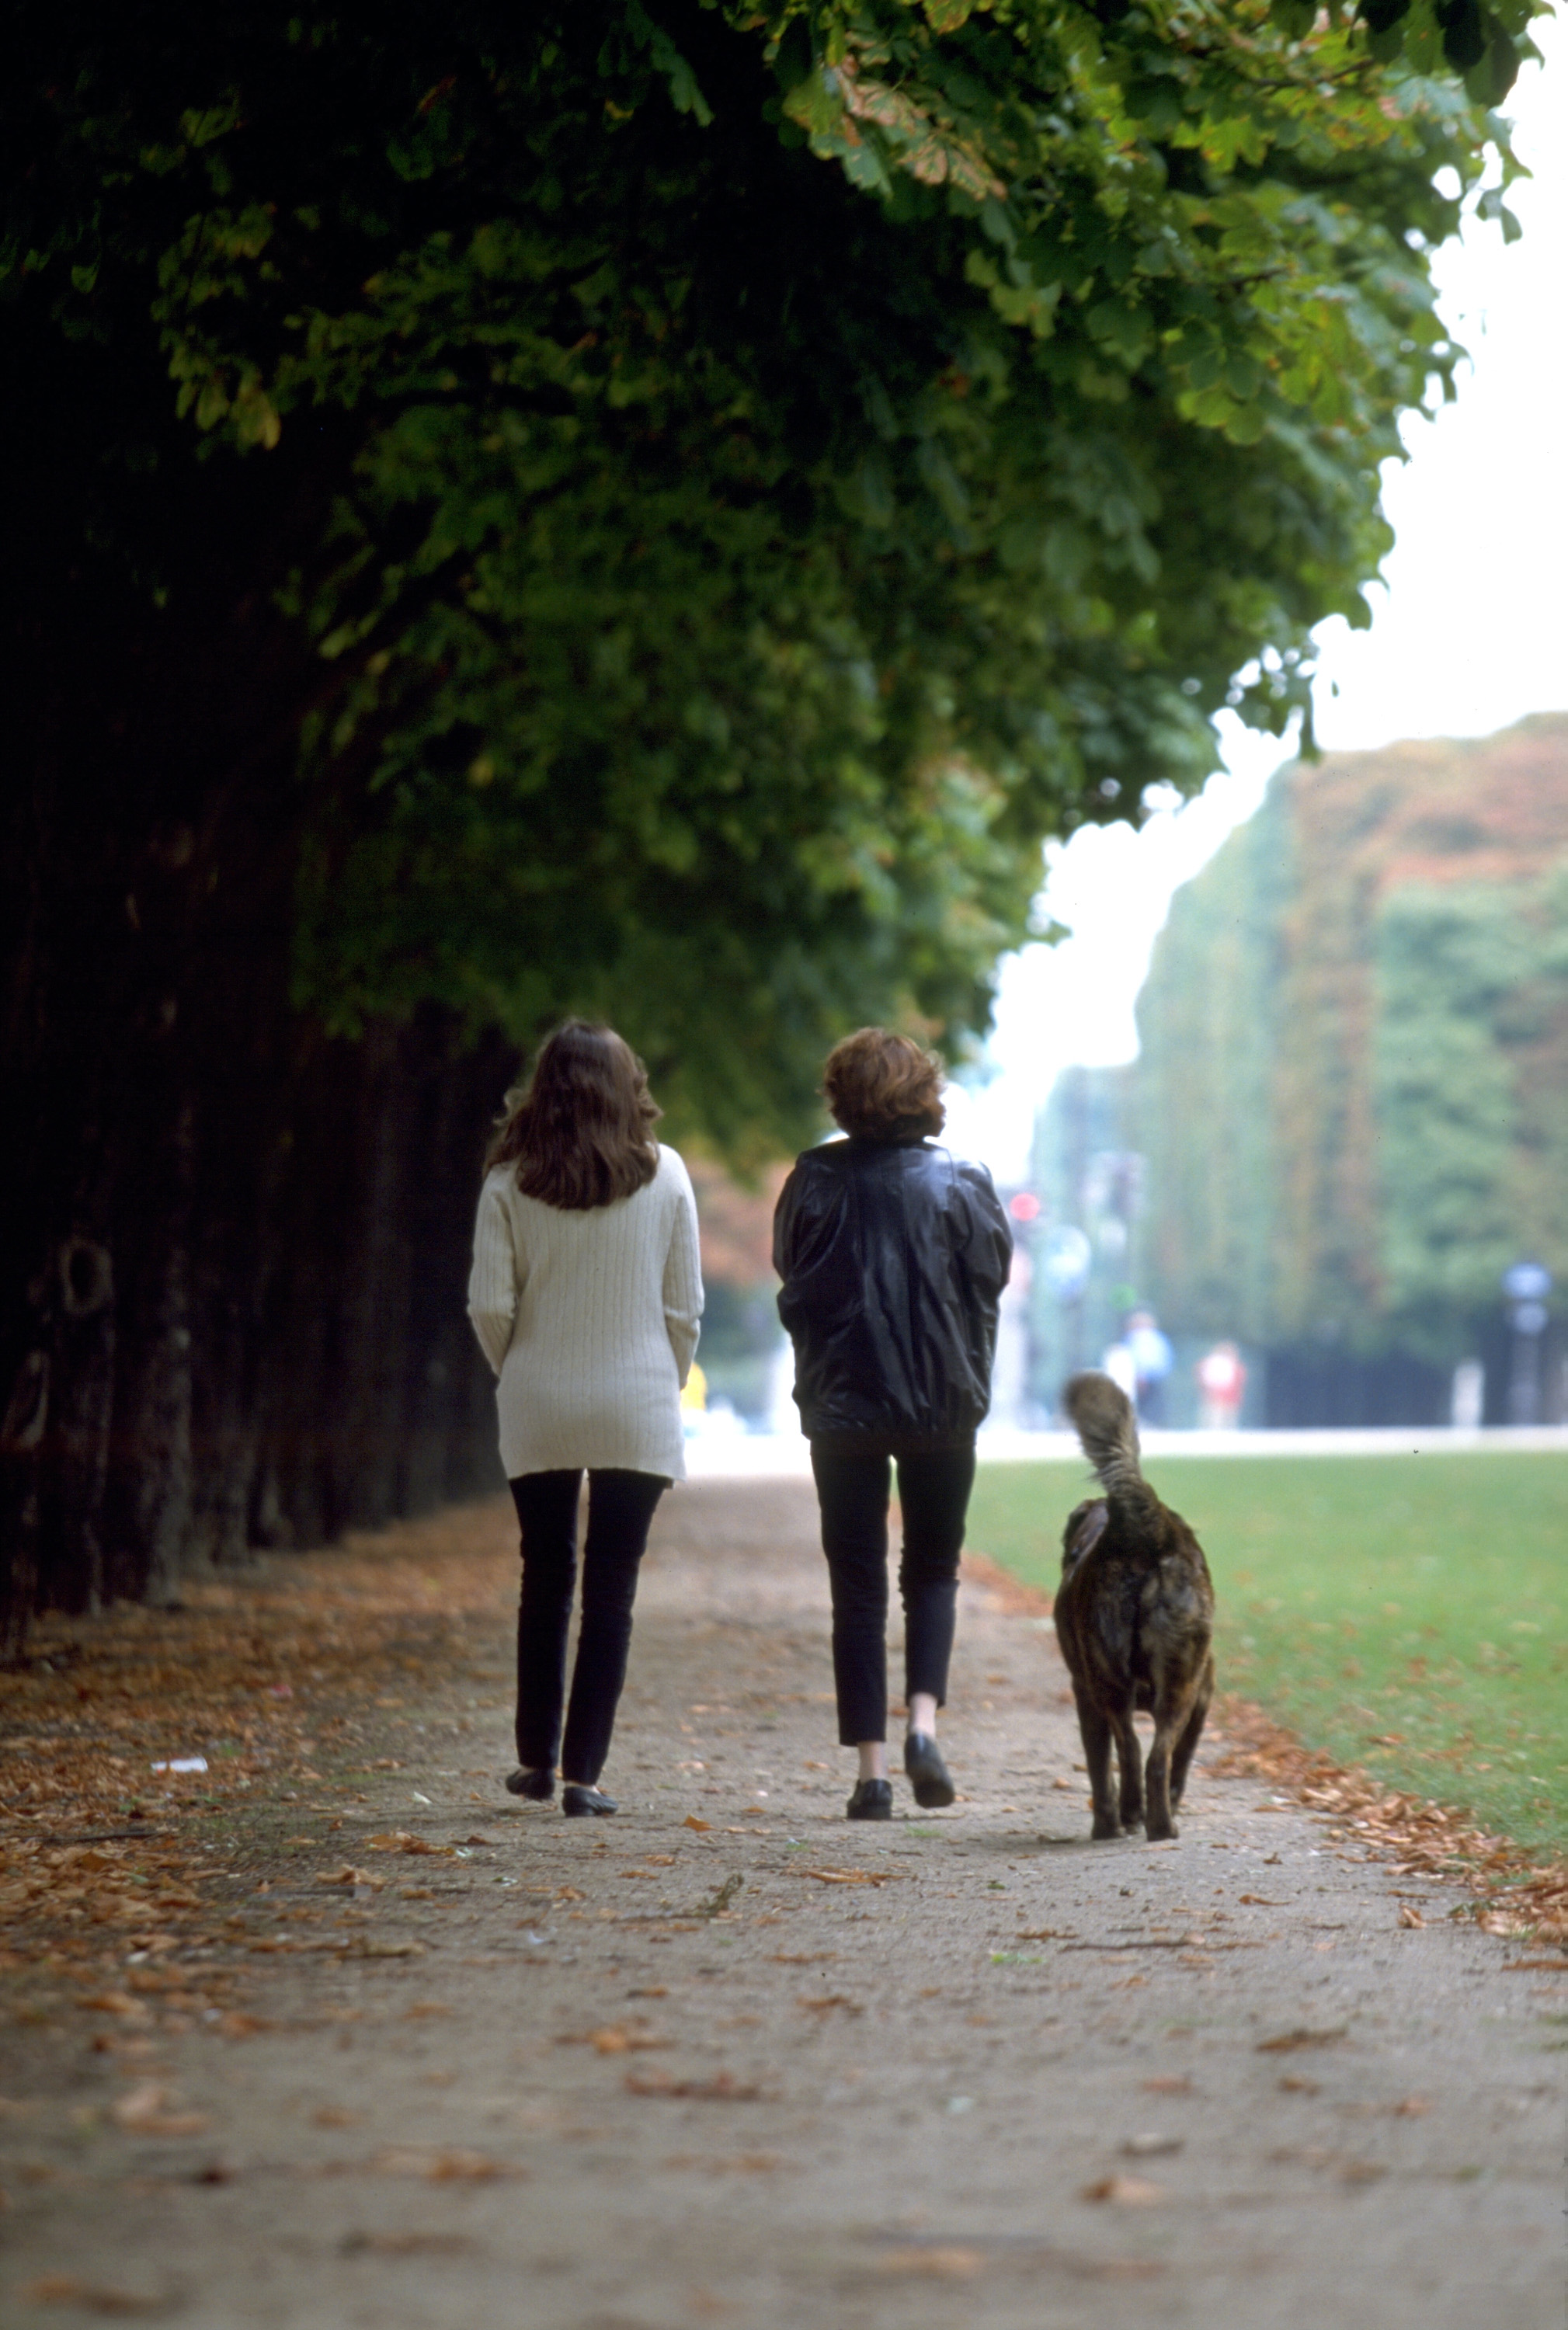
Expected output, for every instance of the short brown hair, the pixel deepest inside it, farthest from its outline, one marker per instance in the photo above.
(581, 1131)
(883, 1088)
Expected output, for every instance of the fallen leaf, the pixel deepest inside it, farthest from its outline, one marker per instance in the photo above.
(424, 2009)
(350, 1876)
(1124, 2192)
(141, 2113)
(1169, 2083)
(702, 1826)
(723, 2088)
(238, 2025)
(858, 1876)
(1410, 1917)
(1287, 2041)
(1260, 1902)
(117, 2002)
(448, 2166)
(1412, 2107)
(1536, 1966)
(334, 2115)
(409, 2244)
(1294, 2084)
(944, 2263)
(97, 2297)
(1151, 2146)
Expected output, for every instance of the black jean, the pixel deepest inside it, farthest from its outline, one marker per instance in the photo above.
(620, 1506)
(852, 1489)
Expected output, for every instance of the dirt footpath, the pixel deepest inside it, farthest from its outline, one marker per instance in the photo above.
(729, 2060)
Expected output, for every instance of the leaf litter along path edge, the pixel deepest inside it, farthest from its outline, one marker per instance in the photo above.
(861, 2090)
(1518, 1893)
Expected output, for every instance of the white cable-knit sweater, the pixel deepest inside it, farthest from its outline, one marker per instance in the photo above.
(590, 1320)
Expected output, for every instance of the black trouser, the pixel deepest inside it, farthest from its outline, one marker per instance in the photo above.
(852, 1489)
(620, 1506)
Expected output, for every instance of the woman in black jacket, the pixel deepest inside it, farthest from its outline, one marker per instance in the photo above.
(894, 1256)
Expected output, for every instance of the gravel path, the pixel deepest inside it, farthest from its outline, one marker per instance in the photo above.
(728, 2059)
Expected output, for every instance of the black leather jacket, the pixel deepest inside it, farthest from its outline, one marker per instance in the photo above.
(894, 1256)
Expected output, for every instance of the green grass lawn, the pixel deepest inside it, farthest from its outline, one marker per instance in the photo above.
(1405, 1612)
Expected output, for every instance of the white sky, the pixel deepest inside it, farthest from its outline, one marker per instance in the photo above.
(1469, 633)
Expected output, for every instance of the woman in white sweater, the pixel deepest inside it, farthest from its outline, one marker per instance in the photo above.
(586, 1294)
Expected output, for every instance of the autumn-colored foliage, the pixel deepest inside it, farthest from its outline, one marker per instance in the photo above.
(1353, 1092)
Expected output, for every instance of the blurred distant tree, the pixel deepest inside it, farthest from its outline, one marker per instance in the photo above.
(1354, 1083)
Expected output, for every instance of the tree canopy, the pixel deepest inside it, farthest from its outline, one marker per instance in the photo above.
(745, 474)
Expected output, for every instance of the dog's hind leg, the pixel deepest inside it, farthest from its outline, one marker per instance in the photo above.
(1096, 1731)
(1157, 1820)
(1129, 1758)
(1192, 1731)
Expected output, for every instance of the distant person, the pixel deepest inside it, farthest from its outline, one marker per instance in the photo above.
(1152, 1361)
(894, 1256)
(586, 1295)
(1120, 1366)
(1467, 1401)
(1221, 1385)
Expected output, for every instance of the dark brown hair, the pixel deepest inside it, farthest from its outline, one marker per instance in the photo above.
(883, 1088)
(581, 1131)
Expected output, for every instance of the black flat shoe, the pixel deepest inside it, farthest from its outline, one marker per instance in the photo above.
(537, 1786)
(586, 1804)
(928, 1777)
(872, 1800)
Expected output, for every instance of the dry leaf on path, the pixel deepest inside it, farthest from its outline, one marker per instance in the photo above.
(944, 2263)
(1286, 2043)
(613, 2038)
(1410, 1918)
(93, 2298)
(448, 2166)
(702, 1826)
(408, 2244)
(1124, 2192)
(238, 2025)
(1169, 2083)
(723, 2088)
(858, 1876)
(141, 2113)
(1150, 2146)
(349, 1876)
(826, 2005)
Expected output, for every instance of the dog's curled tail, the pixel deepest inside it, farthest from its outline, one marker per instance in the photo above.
(1102, 1415)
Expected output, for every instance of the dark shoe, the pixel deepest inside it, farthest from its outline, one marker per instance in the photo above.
(586, 1804)
(928, 1777)
(538, 1787)
(872, 1800)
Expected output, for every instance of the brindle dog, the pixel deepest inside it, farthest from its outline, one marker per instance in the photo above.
(1135, 1618)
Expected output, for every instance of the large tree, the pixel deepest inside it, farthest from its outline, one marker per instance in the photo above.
(653, 511)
